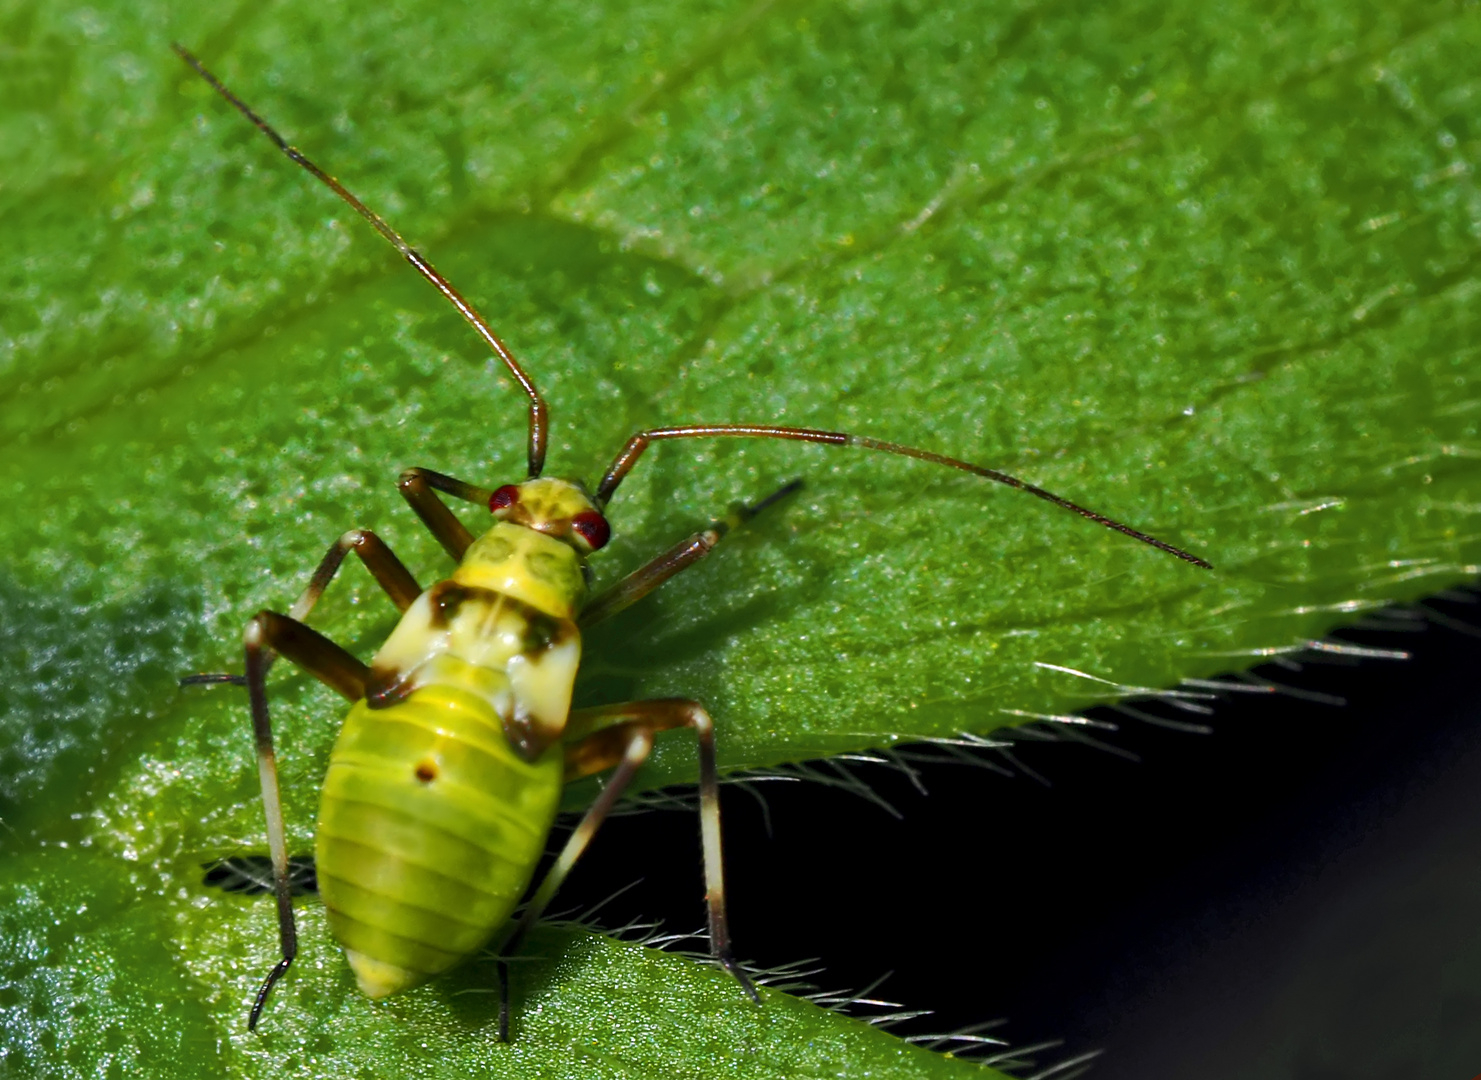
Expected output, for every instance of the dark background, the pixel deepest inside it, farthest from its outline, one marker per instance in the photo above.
(1296, 893)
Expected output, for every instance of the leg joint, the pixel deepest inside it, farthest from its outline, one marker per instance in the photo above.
(254, 633)
(699, 718)
(639, 745)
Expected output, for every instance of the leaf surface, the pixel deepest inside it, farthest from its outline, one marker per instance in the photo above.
(1207, 270)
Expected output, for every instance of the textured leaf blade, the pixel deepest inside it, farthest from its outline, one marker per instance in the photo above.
(1211, 274)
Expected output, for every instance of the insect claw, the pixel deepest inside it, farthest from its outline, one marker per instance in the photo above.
(730, 964)
(214, 680)
(503, 1001)
(267, 988)
(776, 496)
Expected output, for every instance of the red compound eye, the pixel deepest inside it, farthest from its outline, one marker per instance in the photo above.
(504, 498)
(593, 528)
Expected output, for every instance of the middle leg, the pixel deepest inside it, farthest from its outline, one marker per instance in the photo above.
(390, 574)
(269, 635)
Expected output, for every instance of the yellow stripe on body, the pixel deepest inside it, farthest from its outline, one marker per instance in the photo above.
(535, 569)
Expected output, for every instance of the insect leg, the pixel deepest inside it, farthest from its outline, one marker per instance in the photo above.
(539, 422)
(628, 457)
(420, 487)
(388, 571)
(269, 633)
(681, 556)
(622, 735)
(258, 659)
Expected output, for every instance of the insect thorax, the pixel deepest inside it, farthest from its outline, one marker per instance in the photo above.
(501, 628)
(529, 566)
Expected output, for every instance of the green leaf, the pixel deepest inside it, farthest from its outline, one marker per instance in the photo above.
(87, 991)
(1203, 268)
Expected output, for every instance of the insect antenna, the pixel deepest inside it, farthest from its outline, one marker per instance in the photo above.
(640, 442)
(539, 420)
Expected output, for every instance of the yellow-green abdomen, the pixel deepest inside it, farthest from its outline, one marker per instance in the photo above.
(430, 827)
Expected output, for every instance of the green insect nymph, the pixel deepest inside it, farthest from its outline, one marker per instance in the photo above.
(445, 779)
(447, 773)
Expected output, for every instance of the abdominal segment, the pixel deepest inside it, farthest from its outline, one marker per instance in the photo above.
(430, 826)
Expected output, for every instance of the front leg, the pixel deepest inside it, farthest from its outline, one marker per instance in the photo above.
(420, 487)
